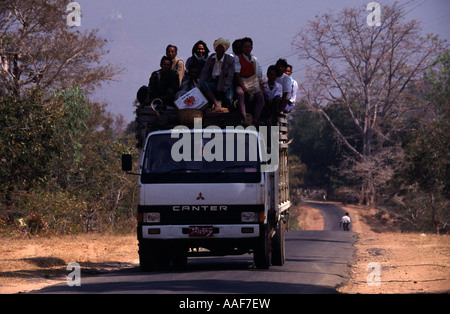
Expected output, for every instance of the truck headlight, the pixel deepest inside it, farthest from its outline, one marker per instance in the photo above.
(152, 217)
(249, 217)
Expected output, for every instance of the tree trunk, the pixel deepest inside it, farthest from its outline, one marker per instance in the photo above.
(112, 212)
(434, 218)
(361, 195)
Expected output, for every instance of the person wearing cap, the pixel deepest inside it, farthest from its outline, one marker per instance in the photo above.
(216, 79)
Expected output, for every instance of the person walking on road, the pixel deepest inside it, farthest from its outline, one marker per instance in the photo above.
(345, 222)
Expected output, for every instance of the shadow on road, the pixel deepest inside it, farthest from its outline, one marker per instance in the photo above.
(316, 262)
(176, 286)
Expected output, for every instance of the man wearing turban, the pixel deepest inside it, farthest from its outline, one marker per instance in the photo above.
(216, 79)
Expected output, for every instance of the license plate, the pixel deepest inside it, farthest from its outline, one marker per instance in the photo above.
(201, 231)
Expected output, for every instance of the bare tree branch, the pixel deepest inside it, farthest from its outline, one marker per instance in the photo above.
(367, 70)
(37, 48)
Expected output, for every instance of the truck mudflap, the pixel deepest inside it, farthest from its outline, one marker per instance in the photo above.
(172, 232)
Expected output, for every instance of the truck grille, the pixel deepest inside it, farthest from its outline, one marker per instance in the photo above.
(231, 215)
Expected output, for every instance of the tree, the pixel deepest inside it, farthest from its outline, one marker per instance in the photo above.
(41, 60)
(366, 70)
(39, 50)
(60, 163)
(314, 144)
(59, 155)
(297, 172)
(28, 140)
(75, 111)
(427, 161)
(99, 179)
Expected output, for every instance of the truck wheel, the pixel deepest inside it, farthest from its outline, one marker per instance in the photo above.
(262, 253)
(148, 257)
(179, 259)
(163, 258)
(153, 256)
(278, 246)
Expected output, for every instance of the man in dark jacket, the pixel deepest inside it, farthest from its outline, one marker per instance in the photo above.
(164, 83)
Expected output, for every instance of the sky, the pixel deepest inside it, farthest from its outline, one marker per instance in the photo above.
(138, 32)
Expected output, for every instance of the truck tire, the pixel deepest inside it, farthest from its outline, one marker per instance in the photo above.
(179, 258)
(148, 257)
(278, 245)
(152, 257)
(262, 251)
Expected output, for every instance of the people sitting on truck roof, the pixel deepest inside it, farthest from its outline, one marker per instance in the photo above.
(164, 83)
(142, 97)
(293, 98)
(216, 79)
(273, 91)
(248, 76)
(236, 46)
(200, 54)
(285, 81)
(177, 64)
(190, 80)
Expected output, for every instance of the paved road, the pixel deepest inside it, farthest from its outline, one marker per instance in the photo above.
(316, 261)
(332, 215)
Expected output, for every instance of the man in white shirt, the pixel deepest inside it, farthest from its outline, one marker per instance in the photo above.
(345, 222)
(293, 98)
(285, 81)
(273, 91)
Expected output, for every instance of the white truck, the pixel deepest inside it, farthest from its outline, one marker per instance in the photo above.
(210, 189)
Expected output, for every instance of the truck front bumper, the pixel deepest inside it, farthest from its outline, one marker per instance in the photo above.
(164, 232)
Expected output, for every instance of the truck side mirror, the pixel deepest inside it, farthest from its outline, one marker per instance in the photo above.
(127, 162)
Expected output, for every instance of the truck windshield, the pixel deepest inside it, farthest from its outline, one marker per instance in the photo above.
(194, 159)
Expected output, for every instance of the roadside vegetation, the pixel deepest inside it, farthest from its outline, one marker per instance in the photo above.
(371, 126)
(59, 151)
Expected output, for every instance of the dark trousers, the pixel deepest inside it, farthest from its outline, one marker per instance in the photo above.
(258, 103)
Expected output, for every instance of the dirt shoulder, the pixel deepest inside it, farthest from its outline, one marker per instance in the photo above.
(303, 217)
(408, 263)
(28, 264)
(405, 262)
